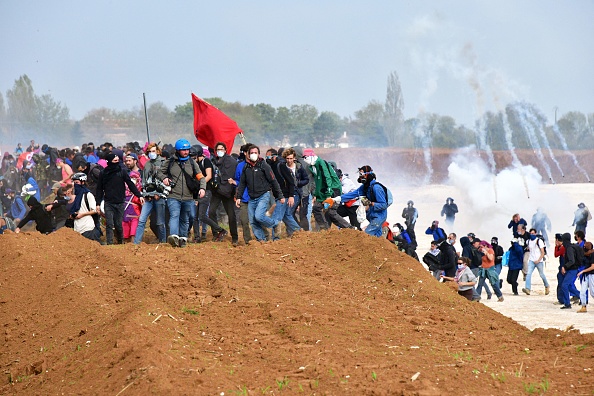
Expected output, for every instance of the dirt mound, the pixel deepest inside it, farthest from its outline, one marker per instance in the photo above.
(333, 312)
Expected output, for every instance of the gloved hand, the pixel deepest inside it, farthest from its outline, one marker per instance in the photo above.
(337, 199)
(328, 202)
(365, 201)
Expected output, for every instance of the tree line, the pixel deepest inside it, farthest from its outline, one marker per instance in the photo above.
(23, 113)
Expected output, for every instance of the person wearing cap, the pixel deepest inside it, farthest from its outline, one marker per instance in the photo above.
(581, 217)
(131, 162)
(111, 190)
(31, 183)
(224, 194)
(38, 214)
(201, 219)
(327, 185)
(515, 264)
(449, 210)
(52, 196)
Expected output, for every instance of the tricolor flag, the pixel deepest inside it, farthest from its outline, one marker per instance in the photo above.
(211, 125)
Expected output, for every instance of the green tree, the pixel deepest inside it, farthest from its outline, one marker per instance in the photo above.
(367, 127)
(393, 115)
(325, 128)
(22, 104)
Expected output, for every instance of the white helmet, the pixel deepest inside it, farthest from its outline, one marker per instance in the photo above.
(28, 190)
(79, 176)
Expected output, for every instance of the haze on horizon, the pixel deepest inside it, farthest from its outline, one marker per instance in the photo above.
(454, 58)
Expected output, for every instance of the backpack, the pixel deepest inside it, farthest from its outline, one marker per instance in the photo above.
(580, 257)
(388, 193)
(215, 180)
(191, 182)
(544, 245)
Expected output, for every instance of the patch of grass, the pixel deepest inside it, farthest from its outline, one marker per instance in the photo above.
(462, 356)
(499, 377)
(283, 384)
(190, 311)
(538, 387)
(373, 376)
(580, 348)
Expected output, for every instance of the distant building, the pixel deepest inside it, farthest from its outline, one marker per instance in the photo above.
(343, 141)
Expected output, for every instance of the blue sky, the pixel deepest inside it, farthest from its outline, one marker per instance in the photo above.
(458, 58)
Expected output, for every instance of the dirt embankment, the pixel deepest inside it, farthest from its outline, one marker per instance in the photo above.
(333, 312)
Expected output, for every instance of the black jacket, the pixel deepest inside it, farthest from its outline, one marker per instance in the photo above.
(258, 178)
(39, 215)
(227, 166)
(447, 259)
(111, 186)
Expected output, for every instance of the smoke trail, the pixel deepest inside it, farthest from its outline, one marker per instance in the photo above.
(510, 145)
(481, 135)
(573, 157)
(534, 116)
(528, 130)
(423, 134)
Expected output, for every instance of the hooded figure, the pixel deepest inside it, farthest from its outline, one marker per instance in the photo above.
(581, 217)
(447, 258)
(449, 210)
(39, 215)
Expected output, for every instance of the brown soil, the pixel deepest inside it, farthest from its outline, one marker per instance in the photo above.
(333, 312)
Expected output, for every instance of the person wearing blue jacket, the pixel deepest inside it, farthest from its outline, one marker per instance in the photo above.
(18, 209)
(245, 198)
(515, 264)
(437, 232)
(374, 198)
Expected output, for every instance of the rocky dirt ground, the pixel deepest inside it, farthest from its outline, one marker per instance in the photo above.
(327, 313)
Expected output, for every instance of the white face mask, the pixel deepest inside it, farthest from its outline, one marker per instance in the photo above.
(220, 153)
(310, 160)
(152, 156)
(253, 157)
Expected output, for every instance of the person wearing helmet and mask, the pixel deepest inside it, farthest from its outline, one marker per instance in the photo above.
(374, 197)
(410, 214)
(84, 208)
(180, 172)
(449, 210)
(581, 217)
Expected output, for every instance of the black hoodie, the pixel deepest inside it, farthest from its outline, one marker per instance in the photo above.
(40, 215)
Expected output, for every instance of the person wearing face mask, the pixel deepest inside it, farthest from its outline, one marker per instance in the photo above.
(449, 210)
(155, 201)
(111, 188)
(132, 209)
(487, 270)
(536, 249)
(375, 197)
(183, 175)
(464, 278)
(224, 194)
(258, 178)
(59, 207)
(327, 186)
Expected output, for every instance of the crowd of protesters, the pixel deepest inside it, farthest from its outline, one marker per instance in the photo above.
(109, 194)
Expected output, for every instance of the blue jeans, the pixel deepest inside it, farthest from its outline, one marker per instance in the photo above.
(150, 205)
(180, 214)
(494, 285)
(540, 267)
(282, 212)
(568, 286)
(257, 208)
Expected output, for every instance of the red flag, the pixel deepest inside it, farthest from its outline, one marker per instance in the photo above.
(211, 125)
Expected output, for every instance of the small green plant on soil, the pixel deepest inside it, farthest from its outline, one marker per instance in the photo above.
(331, 372)
(242, 391)
(462, 356)
(499, 377)
(373, 376)
(283, 384)
(190, 311)
(265, 390)
(476, 371)
(580, 348)
(538, 387)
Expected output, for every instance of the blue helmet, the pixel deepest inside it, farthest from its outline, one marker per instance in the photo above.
(182, 144)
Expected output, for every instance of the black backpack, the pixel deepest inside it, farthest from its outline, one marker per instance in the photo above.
(191, 182)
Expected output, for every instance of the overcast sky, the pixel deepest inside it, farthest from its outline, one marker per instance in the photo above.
(455, 58)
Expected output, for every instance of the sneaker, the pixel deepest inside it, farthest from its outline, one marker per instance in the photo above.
(582, 309)
(557, 303)
(221, 235)
(500, 299)
(566, 307)
(173, 240)
(500, 283)
(516, 294)
(575, 300)
(235, 243)
(527, 291)
(547, 290)
(183, 242)
(489, 297)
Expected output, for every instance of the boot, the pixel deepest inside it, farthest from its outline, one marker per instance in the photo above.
(582, 309)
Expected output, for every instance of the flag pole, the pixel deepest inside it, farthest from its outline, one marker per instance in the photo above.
(148, 135)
